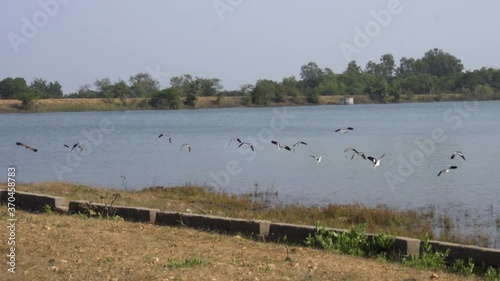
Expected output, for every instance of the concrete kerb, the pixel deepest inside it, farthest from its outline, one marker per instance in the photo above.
(254, 228)
(34, 202)
(136, 214)
(480, 255)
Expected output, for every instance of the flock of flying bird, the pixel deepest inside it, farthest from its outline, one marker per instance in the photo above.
(373, 160)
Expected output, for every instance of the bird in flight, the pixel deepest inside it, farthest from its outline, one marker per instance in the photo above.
(344, 130)
(355, 152)
(446, 171)
(247, 144)
(166, 136)
(27, 146)
(76, 145)
(459, 153)
(375, 161)
(317, 158)
(298, 143)
(186, 145)
(280, 146)
(235, 139)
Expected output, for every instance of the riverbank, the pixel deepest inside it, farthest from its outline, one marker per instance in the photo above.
(77, 104)
(56, 246)
(256, 205)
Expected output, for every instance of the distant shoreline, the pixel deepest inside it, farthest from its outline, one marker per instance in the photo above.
(98, 104)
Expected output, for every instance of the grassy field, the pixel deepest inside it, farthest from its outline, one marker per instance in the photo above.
(63, 247)
(57, 105)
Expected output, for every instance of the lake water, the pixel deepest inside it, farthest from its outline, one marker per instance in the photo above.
(122, 149)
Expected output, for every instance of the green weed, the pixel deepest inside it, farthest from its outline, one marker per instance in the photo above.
(173, 263)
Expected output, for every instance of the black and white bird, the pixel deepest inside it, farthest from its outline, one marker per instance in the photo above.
(459, 153)
(186, 145)
(27, 146)
(355, 153)
(375, 161)
(317, 158)
(247, 144)
(235, 139)
(344, 130)
(446, 171)
(280, 146)
(298, 143)
(166, 136)
(76, 145)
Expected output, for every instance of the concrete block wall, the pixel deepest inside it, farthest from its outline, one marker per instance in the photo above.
(127, 213)
(480, 255)
(221, 224)
(34, 202)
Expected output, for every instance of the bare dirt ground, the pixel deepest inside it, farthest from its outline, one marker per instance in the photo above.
(63, 247)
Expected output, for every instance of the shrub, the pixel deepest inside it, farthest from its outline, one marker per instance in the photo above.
(167, 99)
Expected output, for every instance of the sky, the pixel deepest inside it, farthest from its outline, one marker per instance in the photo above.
(76, 42)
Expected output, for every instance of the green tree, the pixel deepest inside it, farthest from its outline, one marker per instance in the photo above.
(482, 92)
(406, 67)
(438, 63)
(40, 86)
(311, 74)
(311, 95)
(209, 87)
(120, 90)
(46, 90)
(182, 83)
(263, 92)
(372, 68)
(418, 84)
(352, 68)
(378, 90)
(103, 88)
(143, 85)
(169, 98)
(27, 98)
(192, 94)
(387, 66)
(10, 87)
(331, 85)
(54, 90)
(353, 81)
(289, 86)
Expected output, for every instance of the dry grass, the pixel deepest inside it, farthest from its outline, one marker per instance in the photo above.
(201, 200)
(61, 247)
(77, 104)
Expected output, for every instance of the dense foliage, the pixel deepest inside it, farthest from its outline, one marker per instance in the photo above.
(436, 73)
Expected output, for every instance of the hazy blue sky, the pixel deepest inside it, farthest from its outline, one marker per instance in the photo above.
(245, 40)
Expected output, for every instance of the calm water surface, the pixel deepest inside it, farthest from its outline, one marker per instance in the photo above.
(122, 149)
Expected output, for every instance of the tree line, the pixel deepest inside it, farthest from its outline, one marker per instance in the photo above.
(437, 72)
